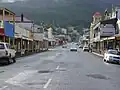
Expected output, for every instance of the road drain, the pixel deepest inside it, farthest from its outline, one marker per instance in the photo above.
(62, 70)
(36, 83)
(45, 71)
(98, 76)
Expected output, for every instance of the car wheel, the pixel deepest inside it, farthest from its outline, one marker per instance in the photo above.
(104, 60)
(9, 60)
(107, 61)
(14, 60)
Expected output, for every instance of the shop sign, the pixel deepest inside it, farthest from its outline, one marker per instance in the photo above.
(107, 30)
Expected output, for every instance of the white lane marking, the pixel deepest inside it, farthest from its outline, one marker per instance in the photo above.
(16, 80)
(3, 87)
(57, 67)
(48, 82)
(57, 54)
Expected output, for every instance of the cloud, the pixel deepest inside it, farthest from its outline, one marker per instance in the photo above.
(59, 1)
(10, 1)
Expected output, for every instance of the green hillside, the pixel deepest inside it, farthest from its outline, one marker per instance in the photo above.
(62, 12)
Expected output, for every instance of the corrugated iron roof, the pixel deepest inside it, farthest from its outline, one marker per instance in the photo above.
(17, 18)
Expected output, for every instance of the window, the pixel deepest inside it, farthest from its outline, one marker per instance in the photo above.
(2, 46)
(8, 46)
(113, 52)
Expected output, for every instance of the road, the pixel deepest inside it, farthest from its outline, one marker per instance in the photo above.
(60, 69)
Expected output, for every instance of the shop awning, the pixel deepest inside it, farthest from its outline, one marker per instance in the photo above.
(111, 38)
(51, 40)
(108, 38)
(18, 35)
(45, 39)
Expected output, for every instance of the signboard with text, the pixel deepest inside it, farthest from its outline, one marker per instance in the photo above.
(107, 30)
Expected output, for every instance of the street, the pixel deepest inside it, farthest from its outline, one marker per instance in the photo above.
(60, 69)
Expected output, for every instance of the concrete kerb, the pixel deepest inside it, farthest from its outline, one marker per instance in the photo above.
(100, 55)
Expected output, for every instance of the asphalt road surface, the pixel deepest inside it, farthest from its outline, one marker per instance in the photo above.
(60, 69)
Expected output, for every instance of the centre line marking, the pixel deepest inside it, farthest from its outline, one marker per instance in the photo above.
(48, 82)
(57, 67)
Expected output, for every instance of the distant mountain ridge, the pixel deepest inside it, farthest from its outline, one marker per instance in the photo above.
(62, 12)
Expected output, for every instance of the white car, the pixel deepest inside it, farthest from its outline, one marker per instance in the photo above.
(112, 56)
(86, 48)
(7, 53)
(73, 48)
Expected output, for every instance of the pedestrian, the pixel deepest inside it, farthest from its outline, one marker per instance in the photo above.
(91, 47)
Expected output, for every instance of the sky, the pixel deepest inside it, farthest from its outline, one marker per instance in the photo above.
(63, 12)
(10, 1)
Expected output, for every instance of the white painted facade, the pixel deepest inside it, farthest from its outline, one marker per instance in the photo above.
(97, 38)
(50, 35)
(64, 30)
(20, 32)
(118, 22)
(38, 36)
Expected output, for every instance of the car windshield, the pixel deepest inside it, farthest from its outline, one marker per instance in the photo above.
(113, 52)
(2, 46)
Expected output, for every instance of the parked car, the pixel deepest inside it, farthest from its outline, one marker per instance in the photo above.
(80, 46)
(73, 48)
(77, 44)
(112, 56)
(7, 53)
(86, 48)
(64, 46)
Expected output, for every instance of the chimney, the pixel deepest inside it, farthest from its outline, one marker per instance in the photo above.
(22, 17)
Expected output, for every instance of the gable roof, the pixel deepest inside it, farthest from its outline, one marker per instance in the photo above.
(17, 19)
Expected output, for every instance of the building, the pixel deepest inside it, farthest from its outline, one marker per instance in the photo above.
(22, 33)
(103, 32)
(86, 37)
(51, 37)
(96, 18)
(7, 28)
(64, 31)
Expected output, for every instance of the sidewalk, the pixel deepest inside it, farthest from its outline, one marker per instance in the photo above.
(18, 54)
(100, 55)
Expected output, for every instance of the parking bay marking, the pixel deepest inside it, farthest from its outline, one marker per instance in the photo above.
(16, 80)
(48, 82)
(3, 87)
(57, 67)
